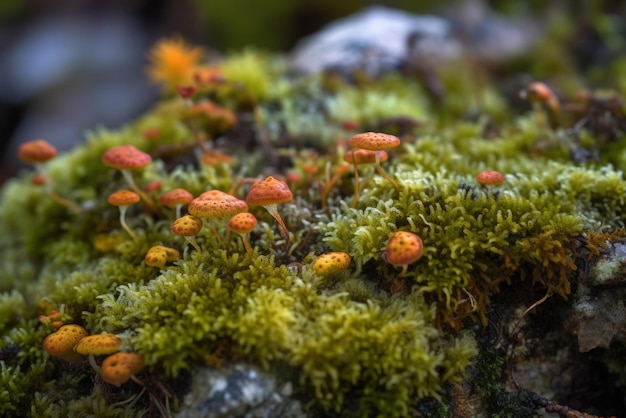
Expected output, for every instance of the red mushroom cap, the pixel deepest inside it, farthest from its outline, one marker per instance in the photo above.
(403, 248)
(374, 141)
(126, 157)
(490, 178)
(216, 204)
(270, 191)
(37, 151)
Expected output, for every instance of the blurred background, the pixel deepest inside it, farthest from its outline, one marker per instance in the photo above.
(69, 66)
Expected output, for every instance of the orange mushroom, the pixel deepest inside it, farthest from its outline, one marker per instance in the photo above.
(331, 263)
(373, 141)
(158, 256)
(176, 198)
(61, 342)
(188, 226)
(539, 94)
(242, 224)
(38, 152)
(269, 193)
(489, 179)
(127, 158)
(118, 368)
(403, 248)
(123, 199)
(216, 204)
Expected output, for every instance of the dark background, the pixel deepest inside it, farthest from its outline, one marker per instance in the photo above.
(67, 67)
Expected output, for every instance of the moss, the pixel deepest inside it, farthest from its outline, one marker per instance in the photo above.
(365, 342)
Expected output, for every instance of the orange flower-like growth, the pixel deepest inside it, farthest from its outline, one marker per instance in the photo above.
(173, 63)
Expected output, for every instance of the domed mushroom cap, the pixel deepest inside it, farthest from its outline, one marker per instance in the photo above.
(98, 344)
(37, 151)
(331, 263)
(123, 197)
(61, 342)
(126, 157)
(216, 204)
(364, 156)
(176, 197)
(374, 141)
(270, 191)
(242, 223)
(118, 367)
(187, 226)
(404, 248)
(539, 92)
(159, 255)
(490, 178)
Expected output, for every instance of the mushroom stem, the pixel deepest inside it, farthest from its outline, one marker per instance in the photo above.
(272, 209)
(382, 173)
(246, 244)
(128, 176)
(193, 242)
(62, 201)
(123, 223)
(178, 210)
(356, 182)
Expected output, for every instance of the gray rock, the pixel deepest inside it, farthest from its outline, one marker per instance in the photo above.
(241, 391)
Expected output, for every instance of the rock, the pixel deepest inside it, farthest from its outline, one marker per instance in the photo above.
(238, 390)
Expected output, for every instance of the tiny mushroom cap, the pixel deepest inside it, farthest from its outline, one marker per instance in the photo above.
(364, 156)
(242, 223)
(126, 157)
(187, 226)
(403, 248)
(61, 342)
(98, 344)
(490, 178)
(123, 197)
(539, 92)
(374, 141)
(176, 197)
(270, 191)
(331, 263)
(119, 367)
(37, 151)
(216, 204)
(159, 255)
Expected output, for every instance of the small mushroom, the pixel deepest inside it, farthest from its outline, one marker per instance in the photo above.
(38, 152)
(123, 199)
(403, 248)
(159, 255)
(489, 179)
(332, 263)
(61, 342)
(188, 226)
(118, 368)
(216, 204)
(373, 141)
(269, 193)
(98, 345)
(539, 94)
(176, 198)
(242, 224)
(127, 158)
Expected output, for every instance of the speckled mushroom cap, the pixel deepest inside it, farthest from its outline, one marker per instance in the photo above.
(176, 197)
(187, 226)
(330, 263)
(242, 223)
(364, 156)
(118, 367)
(403, 248)
(98, 344)
(37, 151)
(61, 343)
(490, 178)
(374, 141)
(270, 191)
(123, 197)
(126, 157)
(216, 204)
